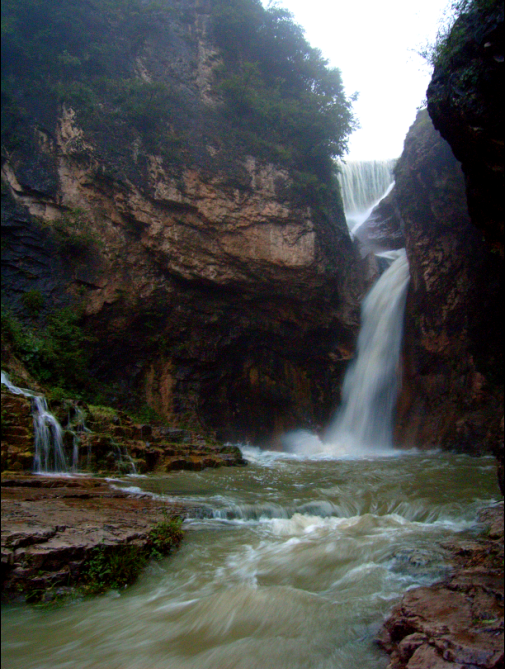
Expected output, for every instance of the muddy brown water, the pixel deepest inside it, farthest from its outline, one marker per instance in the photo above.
(289, 563)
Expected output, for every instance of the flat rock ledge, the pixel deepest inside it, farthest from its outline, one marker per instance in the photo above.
(51, 525)
(457, 623)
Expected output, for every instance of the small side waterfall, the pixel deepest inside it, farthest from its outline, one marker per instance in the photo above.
(364, 421)
(364, 184)
(49, 453)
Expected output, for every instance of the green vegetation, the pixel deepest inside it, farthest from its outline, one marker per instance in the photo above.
(449, 36)
(276, 97)
(143, 413)
(79, 54)
(33, 302)
(118, 566)
(56, 354)
(73, 231)
(282, 101)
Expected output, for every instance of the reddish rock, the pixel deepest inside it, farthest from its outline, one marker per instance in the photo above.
(456, 624)
(452, 391)
(51, 526)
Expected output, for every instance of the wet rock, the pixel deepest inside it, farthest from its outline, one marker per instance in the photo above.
(452, 391)
(38, 558)
(212, 290)
(458, 623)
(466, 102)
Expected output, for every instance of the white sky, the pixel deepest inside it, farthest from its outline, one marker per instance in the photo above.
(374, 43)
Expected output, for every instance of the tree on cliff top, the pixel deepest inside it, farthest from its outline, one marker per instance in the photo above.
(279, 91)
(279, 99)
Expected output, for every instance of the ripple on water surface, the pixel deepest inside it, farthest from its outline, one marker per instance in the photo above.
(288, 563)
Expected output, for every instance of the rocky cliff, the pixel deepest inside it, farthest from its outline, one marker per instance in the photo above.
(466, 103)
(450, 197)
(211, 282)
(452, 394)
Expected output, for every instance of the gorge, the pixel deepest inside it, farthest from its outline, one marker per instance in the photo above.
(184, 264)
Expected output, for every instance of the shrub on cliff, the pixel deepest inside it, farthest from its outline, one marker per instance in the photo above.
(281, 97)
(452, 35)
(80, 54)
(276, 98)
(56, 353)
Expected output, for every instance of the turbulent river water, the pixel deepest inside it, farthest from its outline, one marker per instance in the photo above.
(289, 563)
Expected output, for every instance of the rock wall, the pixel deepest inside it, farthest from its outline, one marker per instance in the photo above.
(466, 104)
(452, 394)
(210, 290)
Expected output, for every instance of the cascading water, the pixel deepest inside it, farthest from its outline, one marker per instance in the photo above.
(370, 387)
(288, 563)
(364, 184)
(48, 434)
(364, 421)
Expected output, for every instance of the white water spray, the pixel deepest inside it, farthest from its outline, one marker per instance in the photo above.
(49, 454)
(364, 184)
(364, 421)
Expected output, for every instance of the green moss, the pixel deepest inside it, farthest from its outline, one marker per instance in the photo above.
(102, 412)
(119, 566)
(146, 414)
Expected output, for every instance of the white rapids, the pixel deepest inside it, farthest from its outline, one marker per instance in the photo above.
(288, 563)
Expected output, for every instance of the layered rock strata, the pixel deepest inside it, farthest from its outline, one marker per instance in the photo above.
(51, 528)
(104, 441)
(211, 290)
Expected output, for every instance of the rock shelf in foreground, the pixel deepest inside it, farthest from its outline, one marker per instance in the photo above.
(458, 623)
(52, 525)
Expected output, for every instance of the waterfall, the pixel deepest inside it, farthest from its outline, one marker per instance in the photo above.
(364, 184)
(371, 383)
(364, 421)
(49, 454)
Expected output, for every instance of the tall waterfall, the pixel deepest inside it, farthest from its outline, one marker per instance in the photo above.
(364, 421)
(364, 184)
(48, 433)
(370, 388)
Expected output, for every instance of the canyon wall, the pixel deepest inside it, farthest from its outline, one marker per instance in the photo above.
(452, 393)
(451, 201)
(466, 103)
(206, 286)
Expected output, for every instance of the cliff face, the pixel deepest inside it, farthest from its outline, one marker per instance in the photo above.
(466, 103)
(211, 289)
(452, 394)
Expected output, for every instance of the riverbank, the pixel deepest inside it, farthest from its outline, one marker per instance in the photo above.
(53, 527)
(456, 623)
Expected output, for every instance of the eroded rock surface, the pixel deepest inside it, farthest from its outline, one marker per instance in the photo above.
(452, 393)
(102, 440)
(212, 289)
(456, 624)
(52, 525)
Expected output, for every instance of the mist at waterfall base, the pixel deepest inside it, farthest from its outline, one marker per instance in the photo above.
(364, 184)
(363, 424)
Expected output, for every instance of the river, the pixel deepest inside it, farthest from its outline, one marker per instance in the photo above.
(289, 563)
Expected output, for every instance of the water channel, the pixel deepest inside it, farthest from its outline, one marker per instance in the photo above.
(289, 563)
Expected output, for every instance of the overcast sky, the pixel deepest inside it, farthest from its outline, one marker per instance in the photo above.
(374, 45)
